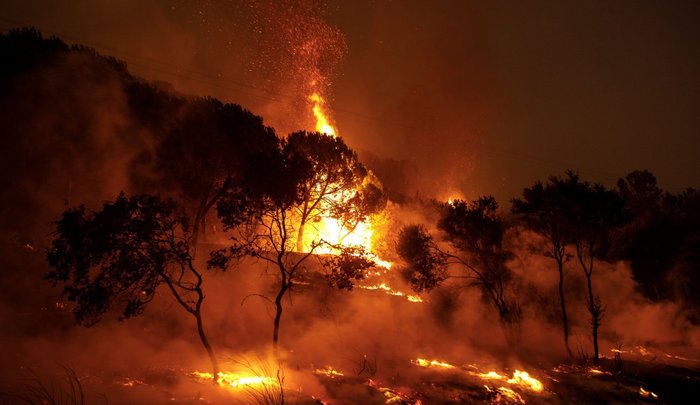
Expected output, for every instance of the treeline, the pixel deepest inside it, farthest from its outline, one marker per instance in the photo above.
(79, 126)
(185, 159)
(583, 224)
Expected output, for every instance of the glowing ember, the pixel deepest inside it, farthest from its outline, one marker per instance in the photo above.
(390, 291)
(431, 363)
(598, 371)
(510, 394)
(392, 396)
(129, 382)
(523, 378)
(234, 380)
(328, 372)
(647, 394)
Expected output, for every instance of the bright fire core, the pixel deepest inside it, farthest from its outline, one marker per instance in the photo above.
(330, 229)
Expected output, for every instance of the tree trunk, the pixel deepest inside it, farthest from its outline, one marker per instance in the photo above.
(562, 300)
(595, 317)
(207, 346)
(300, 236)
(278, 317)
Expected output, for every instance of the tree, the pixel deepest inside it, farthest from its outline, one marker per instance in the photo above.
(476, 229)
(594, 213)
(204, 148)
(570, 211)
(335, 174)
(543, 208)
(260, 215)
(120, 255)
(474, 233)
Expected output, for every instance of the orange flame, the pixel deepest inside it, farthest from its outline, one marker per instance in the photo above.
(328, 372)
(232, 380)
(322, 122)
(431, 363)
(522, 378)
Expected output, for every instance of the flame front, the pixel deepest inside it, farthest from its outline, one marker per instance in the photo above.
(390, 291)
(431, 363)
(329, 372)
(522, 378)
(330, 229)
(232, 380)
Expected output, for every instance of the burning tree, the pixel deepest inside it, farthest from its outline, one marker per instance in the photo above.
(260, 213)
(474, 233)
(120, 255)
(332, 187)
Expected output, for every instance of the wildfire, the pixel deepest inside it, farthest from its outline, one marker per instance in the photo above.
(328, 372)
(503, 392)
(393, 396)
(431, 363)
(520, 379)
(390, 291)
(491, 375)
(322, 122)
(232, 380)
(523, 378)
(647, 394)
(331, 229)
(597, 371)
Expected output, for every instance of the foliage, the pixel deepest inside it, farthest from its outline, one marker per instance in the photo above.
(121, 254)
(474, 233)
(260, 213)
(426, 264)
(335, 173)
(347, 266)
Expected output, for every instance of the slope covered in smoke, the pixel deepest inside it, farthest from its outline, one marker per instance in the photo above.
(77, 128)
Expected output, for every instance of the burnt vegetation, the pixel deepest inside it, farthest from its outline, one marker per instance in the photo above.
(204, 187)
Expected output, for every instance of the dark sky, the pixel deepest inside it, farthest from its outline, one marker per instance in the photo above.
(484, 97)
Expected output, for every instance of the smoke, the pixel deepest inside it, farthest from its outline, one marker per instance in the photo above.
(69, 139)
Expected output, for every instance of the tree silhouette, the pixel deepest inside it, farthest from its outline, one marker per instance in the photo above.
(544, 209)
(260, 215)
(474, 233)
(594, 213)
(206, 148)
(120, 255)
(570, 211)
(335, 174)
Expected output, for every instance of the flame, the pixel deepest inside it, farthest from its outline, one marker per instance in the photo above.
(647, 394)
(322, 122)
(390, 291)
(393, 396)
(598, 371)
(522, 378)
(431, 363)
(491, 375)
(330, 229)
(232, 380)
(509, 393)
(328, 372)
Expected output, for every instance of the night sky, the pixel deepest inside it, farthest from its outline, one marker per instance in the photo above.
(484, 97)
